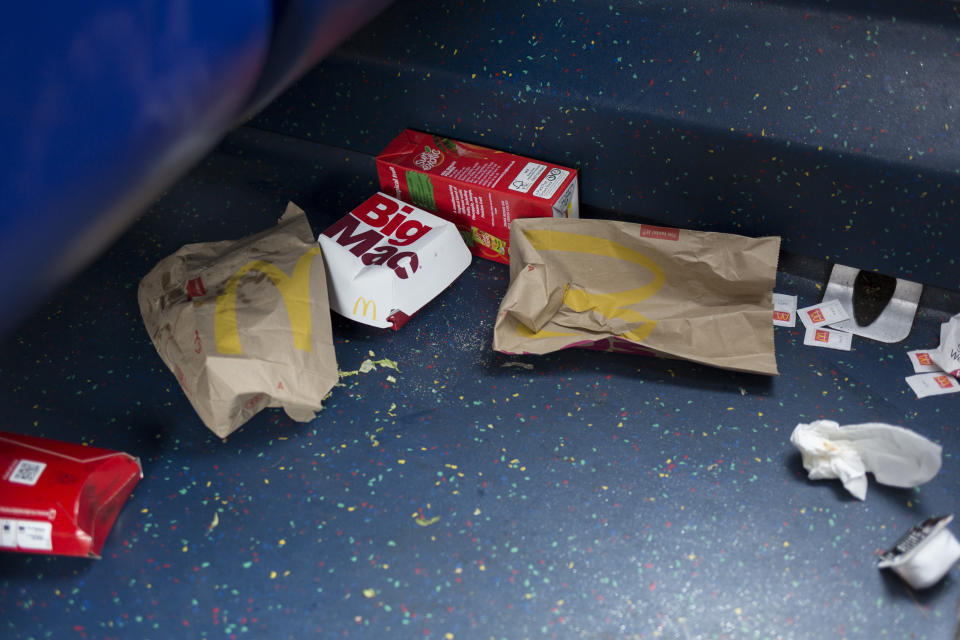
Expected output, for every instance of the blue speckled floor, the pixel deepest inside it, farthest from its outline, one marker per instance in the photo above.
(467, 494)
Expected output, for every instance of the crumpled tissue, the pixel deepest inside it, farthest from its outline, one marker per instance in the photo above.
(896, 456)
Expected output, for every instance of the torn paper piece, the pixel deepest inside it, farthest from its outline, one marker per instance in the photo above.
(784, 310)
(823, 313)
(896, 456)
(947, 355)
(922, 362)
(828, 338)
(213, 523)
(932, 384)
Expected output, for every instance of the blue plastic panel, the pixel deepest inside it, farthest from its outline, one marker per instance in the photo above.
(103, 104)
(303, 32)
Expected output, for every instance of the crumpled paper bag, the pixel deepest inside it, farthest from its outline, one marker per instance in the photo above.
(896, 456)
(618, 286)
(245, 324)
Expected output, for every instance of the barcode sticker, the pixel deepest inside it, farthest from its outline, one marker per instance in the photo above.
(568, 204)
(32, 535)
(550, 183)
(27, 472)
(527, 177)
(8, 533)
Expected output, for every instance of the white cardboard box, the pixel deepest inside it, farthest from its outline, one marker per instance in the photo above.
(386, 259)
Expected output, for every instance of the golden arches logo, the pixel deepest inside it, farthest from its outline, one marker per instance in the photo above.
(366, 304)
(294, 289)
(610, 305)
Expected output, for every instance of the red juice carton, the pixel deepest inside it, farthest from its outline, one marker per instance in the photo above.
(60, 498)
(480, 190)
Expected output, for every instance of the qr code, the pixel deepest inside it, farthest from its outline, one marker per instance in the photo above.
(27, 472)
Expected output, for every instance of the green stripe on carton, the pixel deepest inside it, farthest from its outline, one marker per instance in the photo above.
(421, 190)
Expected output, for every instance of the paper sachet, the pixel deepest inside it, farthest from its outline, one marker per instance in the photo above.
(947, 355)
(896, 456)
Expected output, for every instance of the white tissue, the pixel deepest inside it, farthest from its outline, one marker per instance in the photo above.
(896, 456)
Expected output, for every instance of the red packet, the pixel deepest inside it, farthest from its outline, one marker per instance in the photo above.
(60, 498)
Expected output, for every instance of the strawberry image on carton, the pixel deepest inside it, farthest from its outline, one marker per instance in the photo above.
(386, 259)
(478, 189)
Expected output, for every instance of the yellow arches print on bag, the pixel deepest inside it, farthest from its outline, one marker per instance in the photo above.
(294, 289)
(610, 305)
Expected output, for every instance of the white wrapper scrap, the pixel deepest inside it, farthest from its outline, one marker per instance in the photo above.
(826, 312)
(896, 456)
(828, 338)
(922, 361)
(784, 310)
(933, 384)
(947, 355)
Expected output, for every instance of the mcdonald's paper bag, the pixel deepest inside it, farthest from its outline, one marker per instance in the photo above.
(636, 288)
(245, 324)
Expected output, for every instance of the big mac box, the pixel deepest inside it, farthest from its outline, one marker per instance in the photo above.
(478, 189)
(386, 259)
